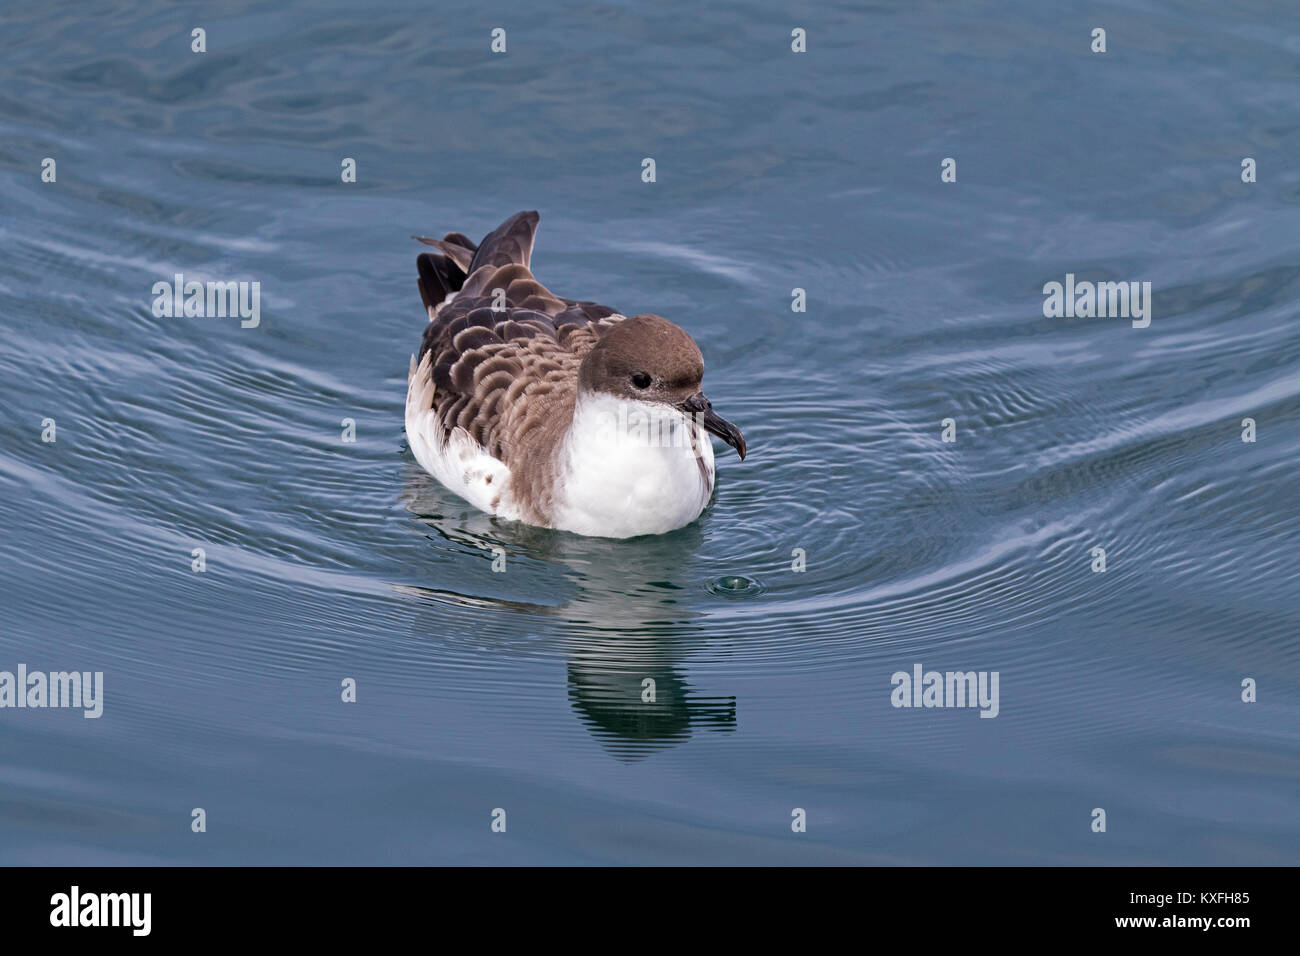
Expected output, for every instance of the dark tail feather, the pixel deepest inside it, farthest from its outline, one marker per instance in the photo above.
(445, 272)
(454, 251)
(440, 275)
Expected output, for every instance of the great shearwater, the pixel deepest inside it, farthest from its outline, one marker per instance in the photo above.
(556, 412)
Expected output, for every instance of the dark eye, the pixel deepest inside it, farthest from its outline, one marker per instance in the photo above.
(641, 380)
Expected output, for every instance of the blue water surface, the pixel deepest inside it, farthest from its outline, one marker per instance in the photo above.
(522, 690)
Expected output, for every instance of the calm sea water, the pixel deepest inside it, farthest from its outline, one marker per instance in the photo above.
(522, 690)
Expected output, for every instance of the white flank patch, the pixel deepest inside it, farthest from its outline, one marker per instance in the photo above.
(460, 464)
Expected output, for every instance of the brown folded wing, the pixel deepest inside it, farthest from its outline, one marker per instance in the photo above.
(505, 351)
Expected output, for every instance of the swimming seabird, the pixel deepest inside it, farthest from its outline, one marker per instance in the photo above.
(556, 412)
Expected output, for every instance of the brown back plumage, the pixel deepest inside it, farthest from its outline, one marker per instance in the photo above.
(490, 349)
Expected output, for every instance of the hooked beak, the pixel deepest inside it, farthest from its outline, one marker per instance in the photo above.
(701, 409)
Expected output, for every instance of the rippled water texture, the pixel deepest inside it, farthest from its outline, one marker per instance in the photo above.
(523, 690)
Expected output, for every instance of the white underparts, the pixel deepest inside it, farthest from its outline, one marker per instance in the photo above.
(630, 468)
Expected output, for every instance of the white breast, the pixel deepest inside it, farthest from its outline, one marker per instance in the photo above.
(630, 468)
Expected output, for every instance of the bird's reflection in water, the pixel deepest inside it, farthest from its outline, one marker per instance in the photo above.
(626, 626)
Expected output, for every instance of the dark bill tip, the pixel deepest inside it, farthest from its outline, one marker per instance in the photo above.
(701, 409)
